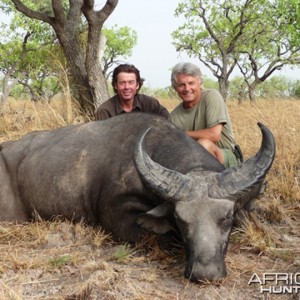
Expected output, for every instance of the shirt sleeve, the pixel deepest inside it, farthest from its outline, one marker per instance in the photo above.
(102, 114)
(215, 109)
(106, 110)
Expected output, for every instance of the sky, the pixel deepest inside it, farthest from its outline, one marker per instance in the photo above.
(154, 55)
(154, 21)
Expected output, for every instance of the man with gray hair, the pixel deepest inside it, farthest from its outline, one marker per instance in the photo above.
(203, 115)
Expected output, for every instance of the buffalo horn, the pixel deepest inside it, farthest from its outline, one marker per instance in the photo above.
(168, 184)
(244, 181)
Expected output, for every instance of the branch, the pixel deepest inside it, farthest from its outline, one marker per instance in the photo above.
(209, 29)
(24, 45)
(215, 72)
(89, 4)
(74, 14)
(31, 13)
(231, 68)
(273, 66)
(95, 21)
(100, 16)
(244, 73)
(13, 68)
(241, 25)
(58, 11)
(107, 9)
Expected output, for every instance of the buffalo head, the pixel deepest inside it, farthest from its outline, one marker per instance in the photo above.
(204, 203)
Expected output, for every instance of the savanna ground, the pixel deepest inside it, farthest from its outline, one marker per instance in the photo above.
(61, 260)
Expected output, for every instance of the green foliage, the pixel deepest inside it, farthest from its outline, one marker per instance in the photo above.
(195, 38)
(276, 87)
(209, 83)
(289, 14)
(160, 93)
(236, 86)
(260, 36)
(273, 39)
(122, 254)
(18, 23)
(297, 89)
(28, 49)
(38, 68)
(119, 44)
(35, 67)
(60, 260)
(120, 41)
(20, 92)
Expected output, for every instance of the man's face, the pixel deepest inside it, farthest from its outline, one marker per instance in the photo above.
(126, 86)
(188, 89)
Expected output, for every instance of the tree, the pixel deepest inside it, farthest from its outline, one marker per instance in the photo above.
(297, 89)
(237, 89)
(220, 33)
(210, 33)
(9, 65)
(27, 57)
(66, 21)
(119, 43)
(276, 87)
(272, 44)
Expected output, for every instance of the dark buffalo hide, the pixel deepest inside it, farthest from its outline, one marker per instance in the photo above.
(133, 174)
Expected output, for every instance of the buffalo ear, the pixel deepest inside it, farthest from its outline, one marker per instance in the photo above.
(156, 220)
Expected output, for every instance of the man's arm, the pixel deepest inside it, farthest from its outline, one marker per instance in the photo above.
(213, 133)
(102, 114)
(107, 109)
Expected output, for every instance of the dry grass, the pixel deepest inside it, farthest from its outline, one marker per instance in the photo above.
(60, 260)
(25, 116)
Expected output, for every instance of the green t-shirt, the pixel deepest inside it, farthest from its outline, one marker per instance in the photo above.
(211, 110)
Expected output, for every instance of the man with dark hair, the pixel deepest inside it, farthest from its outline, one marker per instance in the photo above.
(126, 82)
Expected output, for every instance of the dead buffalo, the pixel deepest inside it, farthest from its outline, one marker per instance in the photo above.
(133, 174)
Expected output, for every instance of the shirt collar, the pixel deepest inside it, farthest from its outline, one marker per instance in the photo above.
(137, 106)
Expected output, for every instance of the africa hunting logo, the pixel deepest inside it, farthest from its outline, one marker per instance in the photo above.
(277, 283)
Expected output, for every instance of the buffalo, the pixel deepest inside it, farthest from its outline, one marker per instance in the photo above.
(133, 174)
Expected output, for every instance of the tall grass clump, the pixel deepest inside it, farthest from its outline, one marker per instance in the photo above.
(281, 117)
(280, 204)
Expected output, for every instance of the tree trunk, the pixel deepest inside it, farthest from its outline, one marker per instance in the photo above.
(10, 76)
(75, 59)
(85, 68)
(252, 96)
(241, 94)
(223, 86)
(97, 81)
(240, 97)
(102, 47)
(34, 96)
(6, 88)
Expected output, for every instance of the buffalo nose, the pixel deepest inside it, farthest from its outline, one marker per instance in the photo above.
(200, 273)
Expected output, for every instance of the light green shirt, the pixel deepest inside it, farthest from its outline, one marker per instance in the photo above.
(211, 110)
